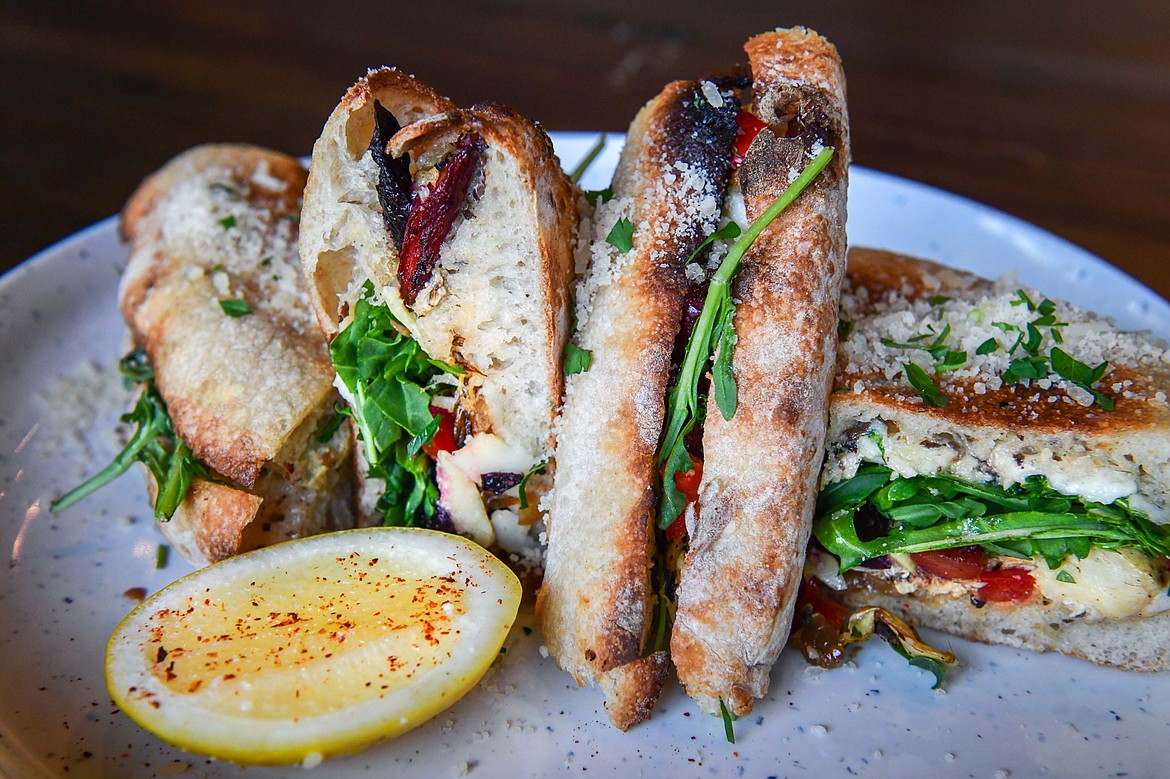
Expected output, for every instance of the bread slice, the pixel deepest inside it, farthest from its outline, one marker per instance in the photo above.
(747, 543)
(497, 302)
(597, 600)
(1110, 607)
(245, 393)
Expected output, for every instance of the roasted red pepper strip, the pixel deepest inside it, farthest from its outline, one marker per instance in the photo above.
(431, 217)
(688, 484)
(961, 562)
(749, 128)
(444, 438)
(1006, 585)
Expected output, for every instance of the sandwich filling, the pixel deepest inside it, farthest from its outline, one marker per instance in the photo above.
(419, 388)
(972, 453)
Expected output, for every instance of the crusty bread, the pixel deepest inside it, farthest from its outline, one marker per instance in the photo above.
(990, 428)
(596, 600)
(245, 393)
(743, 566)
(498, 305)
(1135, 644)
(992, 431)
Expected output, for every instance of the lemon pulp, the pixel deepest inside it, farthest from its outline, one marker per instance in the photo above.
(314, 646)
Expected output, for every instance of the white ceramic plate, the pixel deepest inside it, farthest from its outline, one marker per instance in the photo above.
(1005, 713)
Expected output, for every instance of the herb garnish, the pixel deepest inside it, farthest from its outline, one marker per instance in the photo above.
(593, 195)
(728, 719)
(942, 512)
(713, 330)
(228, 222)
(234, 307)
(522, 487)
(926, 387)
(588, 159)
(621, 235)
(391, 380)
(153, 443)
(1066, 577)
(576, 360)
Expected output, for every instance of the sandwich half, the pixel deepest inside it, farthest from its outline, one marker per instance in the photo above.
(652, 510)
(230, 350)
(998, 465)
(437, 246)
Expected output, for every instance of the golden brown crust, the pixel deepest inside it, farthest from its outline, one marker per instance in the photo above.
(233, 398)
(209, 524)
(596, 601)
(245, 393)
(631, 690)
(739, 580)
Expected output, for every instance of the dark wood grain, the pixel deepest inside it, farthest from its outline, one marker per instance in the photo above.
(1057, 112)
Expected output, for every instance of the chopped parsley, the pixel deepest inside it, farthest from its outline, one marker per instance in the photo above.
(234, 307)
(621, 235)
(228, 222)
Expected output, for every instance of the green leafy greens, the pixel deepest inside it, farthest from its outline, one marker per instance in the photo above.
(713, 333)
(621, 235)
(234, 307)
(153, 443)
(391, 380)
(941, 512)
(588, 159)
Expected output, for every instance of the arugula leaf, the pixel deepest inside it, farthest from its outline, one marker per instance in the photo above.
(588, 159)
(234, 307)
(391, 380)
(926, 387)
(722, 379)
(942, 512)
(153, 443)
(683, 406)
(728, 719)
(621, 235)
(330, 426)
(522, 487)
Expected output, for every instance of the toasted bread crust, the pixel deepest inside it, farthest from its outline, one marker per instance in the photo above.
(233, 399)
(988, 419)
(596, 601)
(244, 393)
(1000, 428)
(742, 570)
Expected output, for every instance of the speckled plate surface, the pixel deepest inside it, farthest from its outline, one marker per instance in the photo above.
(1005, 713)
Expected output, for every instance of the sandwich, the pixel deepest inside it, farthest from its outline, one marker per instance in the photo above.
(668, 537)
(997, 467)
(235, 417)
(437, 246)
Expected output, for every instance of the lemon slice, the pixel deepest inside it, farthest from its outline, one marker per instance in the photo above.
(313, 647)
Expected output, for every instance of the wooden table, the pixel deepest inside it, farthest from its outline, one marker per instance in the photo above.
(1057, 112)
